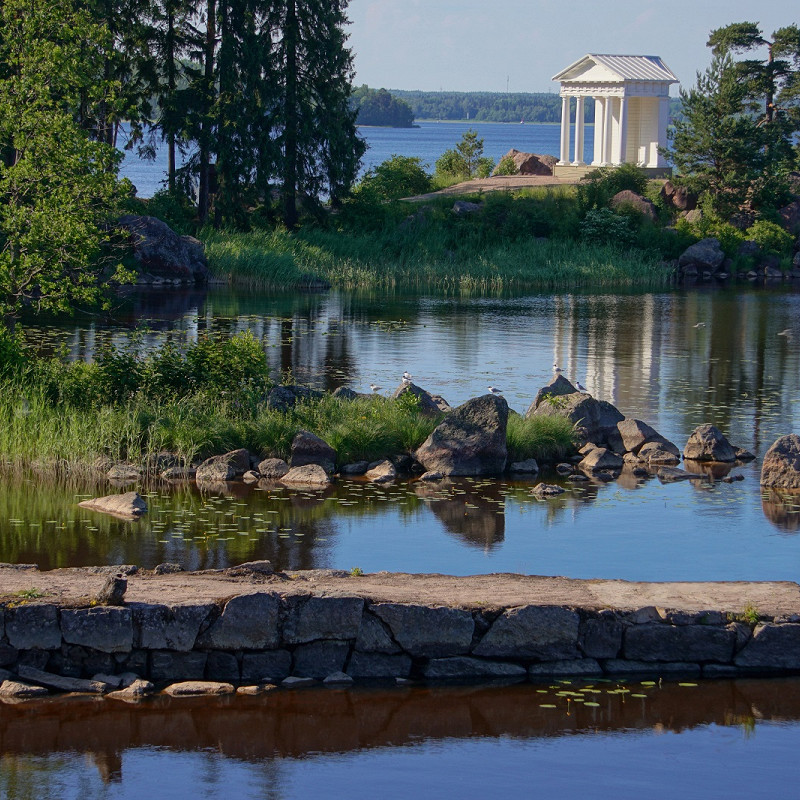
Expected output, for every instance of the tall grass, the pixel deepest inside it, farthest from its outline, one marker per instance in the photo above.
(545, 438)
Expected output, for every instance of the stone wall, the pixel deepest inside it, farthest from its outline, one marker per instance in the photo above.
(251, 638)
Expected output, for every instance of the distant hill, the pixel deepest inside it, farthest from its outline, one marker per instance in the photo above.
(381, 108)
(493, 106)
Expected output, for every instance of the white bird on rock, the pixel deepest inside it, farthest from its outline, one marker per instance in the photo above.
(496, 392)
(556, 368)
(581, 388)
(375, 388)
(406, 377)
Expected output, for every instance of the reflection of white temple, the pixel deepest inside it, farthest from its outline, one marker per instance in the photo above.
(631, 112)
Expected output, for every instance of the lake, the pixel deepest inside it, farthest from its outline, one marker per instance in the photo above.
(638, 350)
(572, 740)
(427, 141)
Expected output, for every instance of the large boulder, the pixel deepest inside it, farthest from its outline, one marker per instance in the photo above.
(310, 449)
(224, 468)
(425, 402)
(129, 505)
(629, 199)
(635, 434)
(595, 420)
(530, 163)
(707, 443)
(558, 387)
(704, 256)
(470, 441)
(159, 251)
(679, 197)
(781, 466)
(790, 217)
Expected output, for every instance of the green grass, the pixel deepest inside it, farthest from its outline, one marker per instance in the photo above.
(545, 438)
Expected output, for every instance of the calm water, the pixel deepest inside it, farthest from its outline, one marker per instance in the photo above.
(426, 142)
(639, 351)
(711, 741)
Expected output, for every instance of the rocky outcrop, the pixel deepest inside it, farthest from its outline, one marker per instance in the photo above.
(383, 472)
(272, 469)
(470, 441)
(161, 253)
(129, 505)
(595, 420)
(309, 475)
(600, 458)
(704, 256)
(425, 401)
(529, 163)
(629, 199)
(226, 467)
(781, 466)
(310, 449)
(707, 443)
(558, 387)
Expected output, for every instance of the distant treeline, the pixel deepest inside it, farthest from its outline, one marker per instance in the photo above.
(493, 106)
(379, 107)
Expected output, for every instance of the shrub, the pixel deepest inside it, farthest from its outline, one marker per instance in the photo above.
(173, 208)
(398, 176)
(506, 166)
(771, 237)
(603, 226)
(12, 357)
(600, 185)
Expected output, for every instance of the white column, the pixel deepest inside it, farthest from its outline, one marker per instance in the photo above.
(579, 130)
(599, 110)
(622, 140)
(663, 121)
(608, 129)
(565, 112)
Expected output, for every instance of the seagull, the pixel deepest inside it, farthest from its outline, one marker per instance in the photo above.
(699, 325)
(375, 388)
(787, 333)
(581, 387)
(556, 368)
(495, 392)
(406, 377)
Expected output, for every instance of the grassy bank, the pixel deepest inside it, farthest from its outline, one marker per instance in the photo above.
(77, 417)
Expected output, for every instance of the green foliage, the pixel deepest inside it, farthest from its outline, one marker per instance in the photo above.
(381, 108)
(58, 189)
(600, 185)
(771, 237)
(545, 438)
(12, 356)
(173, 208)
(398, 176)
(506, 166)
(356, 572)
(603, 226)
(466, 160)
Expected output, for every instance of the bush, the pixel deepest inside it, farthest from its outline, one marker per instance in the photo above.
(451, 165)
(603, 226)
(12, 358)
(506, 166)
(771, 237)
(173, 208)
(600, 185)
(398, 176)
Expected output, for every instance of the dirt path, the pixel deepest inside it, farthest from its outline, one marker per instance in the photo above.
(71, 586)
(500, 183)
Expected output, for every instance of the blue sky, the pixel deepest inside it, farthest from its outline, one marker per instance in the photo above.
(478, 45)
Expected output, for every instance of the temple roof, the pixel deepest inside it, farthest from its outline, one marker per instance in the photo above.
(601, 68)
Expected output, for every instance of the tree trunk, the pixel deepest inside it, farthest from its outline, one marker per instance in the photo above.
(171, 91)
(291, 119)
(204, 200)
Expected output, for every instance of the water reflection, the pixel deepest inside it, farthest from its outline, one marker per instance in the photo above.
(54, 747)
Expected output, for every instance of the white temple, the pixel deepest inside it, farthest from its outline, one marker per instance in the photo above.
(631, 112)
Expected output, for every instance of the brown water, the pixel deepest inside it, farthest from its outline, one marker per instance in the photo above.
(717, 739)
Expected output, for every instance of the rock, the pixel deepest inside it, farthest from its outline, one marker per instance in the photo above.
(743, 455)
(462, 208)
(272, 469)
(579, 667)
(22, 691)
(272, 665)
(781, 466)
(33, 626)
(338, 679)
(431, 476)
(112, 681)
(59, 682)
(129, 505)
(470, 441)
(595, 420)
(635, 434)
(310, 475)
(167, 568)
(310, 449)
(251, 568)
(425, 402)
(168, 666)
(543, 491)
(692, 216)
(706, 254)
(601, 637)
(665, 669)
(379, 665)
(600, 458)
(558, 387)
(464, 667)
(107, 629)
(254, 691)
(428, 632)
(224, 468)
(248, 622)
(661, 452)
(113, 591)
(673, 475)
(222, 667)
(544, 633)
(124, 473)
(790, 217)
(168, 627)
(374, 637)
(179, 473)
(251, 476)
(530, 163)
(527, 467)
(133, 691)
(356, 468)
(708, 444)
(441, 403)
(323, 618)
(283, 398)
(199, 688)
(159, 251)
(295, 682)
(772, 647)
(384, 472)
(345, 393)
(679, 197)
(661, 642)
(629, 199)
